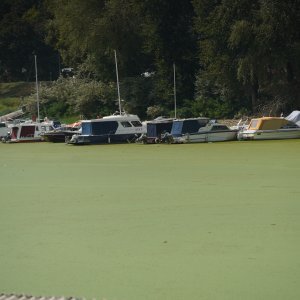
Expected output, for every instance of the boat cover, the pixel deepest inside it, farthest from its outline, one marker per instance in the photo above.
(155, 129)
(187, 126)
(267, 123)
(294, 117)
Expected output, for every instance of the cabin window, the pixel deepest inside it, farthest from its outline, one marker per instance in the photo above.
(99, 128)
(190, 126)
(136, 123)
(290, 125)
(126, 124)
(37, 128)
(220, 127)
(27, 131)
(2, 125)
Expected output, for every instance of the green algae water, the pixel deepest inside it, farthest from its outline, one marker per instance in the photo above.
(200, 221)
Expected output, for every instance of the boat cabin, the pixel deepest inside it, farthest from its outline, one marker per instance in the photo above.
(110, 125)
(26, 132)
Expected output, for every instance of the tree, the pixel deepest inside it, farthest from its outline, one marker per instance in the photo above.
(75, 96)
(21, 35)
(249, 51)
(169, 38)
(89, 32)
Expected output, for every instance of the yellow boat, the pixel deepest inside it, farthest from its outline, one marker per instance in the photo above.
(270, 128)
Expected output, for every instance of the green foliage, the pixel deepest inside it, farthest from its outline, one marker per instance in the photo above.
(252, 49)
(212, 108)
(148, 36)
(8, 105)
(154, 111)
(74, 96)
(230, 55)
(13, 95)
(22, 31)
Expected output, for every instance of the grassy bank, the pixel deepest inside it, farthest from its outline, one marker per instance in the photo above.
(12, 94)
(203, 221)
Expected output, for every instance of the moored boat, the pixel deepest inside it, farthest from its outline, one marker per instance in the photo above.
(270, 128)
(27, 132)
(120, 128)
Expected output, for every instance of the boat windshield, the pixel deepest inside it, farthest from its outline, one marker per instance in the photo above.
(126, 124)
(219, 127)
(136, 123)
(253, 123)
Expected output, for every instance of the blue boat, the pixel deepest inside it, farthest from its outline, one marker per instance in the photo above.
(123, 128)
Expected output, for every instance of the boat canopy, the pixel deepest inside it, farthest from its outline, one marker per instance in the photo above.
(155, 129)
(267, 123)
(188, 126)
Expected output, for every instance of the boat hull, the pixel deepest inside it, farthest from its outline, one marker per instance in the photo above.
(58, 137)
(204, 137)
(25, 140)
(102, 139)
(279, 134)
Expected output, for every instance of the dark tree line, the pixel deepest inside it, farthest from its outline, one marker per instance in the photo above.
(231, 56)
(23, 34)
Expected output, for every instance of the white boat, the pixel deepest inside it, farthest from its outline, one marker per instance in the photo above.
(270, 128)
(27, 132)
(212, 132)
(119, 128)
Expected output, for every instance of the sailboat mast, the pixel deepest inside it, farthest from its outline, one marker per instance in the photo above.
(175, 100)
(37, 90)
(118, 85)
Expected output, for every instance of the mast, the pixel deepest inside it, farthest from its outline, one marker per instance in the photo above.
(175, 100)
(118, 86)
(37, 90)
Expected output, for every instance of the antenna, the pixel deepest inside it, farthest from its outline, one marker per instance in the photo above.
(37, 90)
(118, 86)
(175, 100)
